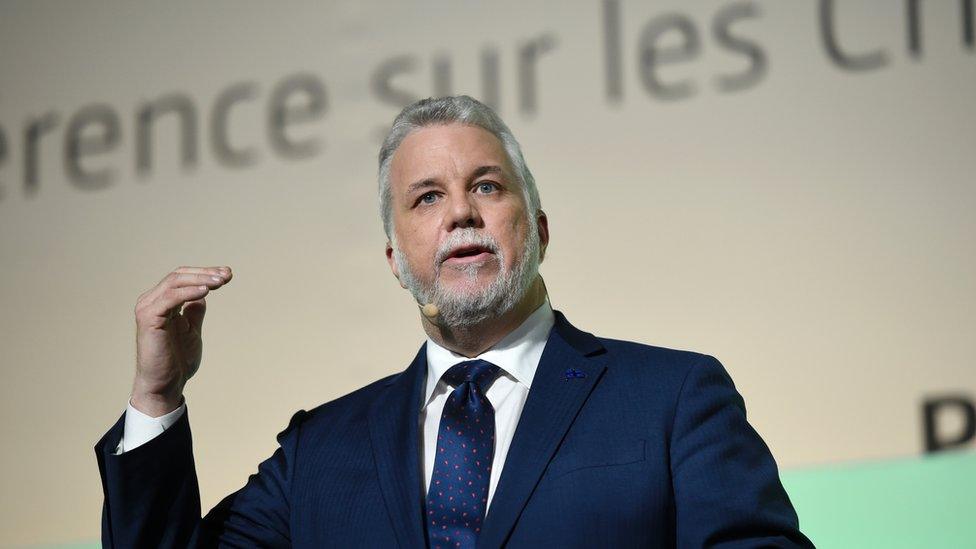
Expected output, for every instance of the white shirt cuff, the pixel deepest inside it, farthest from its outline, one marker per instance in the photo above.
(141, 428)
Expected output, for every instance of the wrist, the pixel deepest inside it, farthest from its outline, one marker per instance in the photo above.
(155, 403)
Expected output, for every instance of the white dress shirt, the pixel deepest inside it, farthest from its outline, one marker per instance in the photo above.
(140, 428)
(517, 354)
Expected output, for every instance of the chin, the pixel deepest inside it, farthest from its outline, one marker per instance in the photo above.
(466, 288)
(468, 275)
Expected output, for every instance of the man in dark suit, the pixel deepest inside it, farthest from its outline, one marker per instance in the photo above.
(511, 427)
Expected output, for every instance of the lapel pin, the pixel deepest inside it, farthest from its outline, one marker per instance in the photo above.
(573, 372)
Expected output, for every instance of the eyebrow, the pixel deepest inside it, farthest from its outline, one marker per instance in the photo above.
(485, 169)
(429, 182)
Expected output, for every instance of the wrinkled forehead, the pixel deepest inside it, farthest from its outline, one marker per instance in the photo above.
(446, 151)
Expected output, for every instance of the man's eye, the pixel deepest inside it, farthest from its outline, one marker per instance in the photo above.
(487, 188)
(428, 198)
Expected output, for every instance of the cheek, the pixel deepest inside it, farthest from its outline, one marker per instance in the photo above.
(413, 236)
(517, 233)
(421, 252)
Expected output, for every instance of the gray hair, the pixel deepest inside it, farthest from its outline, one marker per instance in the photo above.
(460, 109)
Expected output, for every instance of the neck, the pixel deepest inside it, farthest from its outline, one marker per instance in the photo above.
(471, 341)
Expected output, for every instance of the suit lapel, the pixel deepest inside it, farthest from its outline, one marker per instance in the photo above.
(553, 403)
(394, 435)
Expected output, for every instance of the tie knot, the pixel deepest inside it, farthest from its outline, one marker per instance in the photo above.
(480, 372)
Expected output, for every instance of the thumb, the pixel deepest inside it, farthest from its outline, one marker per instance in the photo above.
(193, 311)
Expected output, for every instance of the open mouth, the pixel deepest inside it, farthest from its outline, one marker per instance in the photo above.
(469, 254)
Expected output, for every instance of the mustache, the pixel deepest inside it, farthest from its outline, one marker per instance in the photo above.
(465, 237)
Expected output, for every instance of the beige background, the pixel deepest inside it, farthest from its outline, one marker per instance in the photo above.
(814, 232)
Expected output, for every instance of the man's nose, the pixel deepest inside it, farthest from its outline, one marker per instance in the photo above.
(463, 212)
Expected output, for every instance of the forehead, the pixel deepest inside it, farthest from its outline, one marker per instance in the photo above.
(447, 150)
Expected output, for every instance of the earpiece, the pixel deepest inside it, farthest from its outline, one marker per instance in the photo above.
(430, 310)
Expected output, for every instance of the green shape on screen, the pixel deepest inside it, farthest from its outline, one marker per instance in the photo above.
(913, 503)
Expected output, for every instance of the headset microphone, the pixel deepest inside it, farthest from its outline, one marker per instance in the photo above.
(430, 310)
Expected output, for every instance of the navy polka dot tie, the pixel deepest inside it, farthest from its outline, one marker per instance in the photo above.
(458, 493)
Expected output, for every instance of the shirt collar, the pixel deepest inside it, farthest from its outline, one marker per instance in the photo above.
(517, 354)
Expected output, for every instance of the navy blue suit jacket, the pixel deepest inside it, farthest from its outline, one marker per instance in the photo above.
(642, 447)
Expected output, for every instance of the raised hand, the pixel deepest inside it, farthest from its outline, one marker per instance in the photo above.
(169, 323)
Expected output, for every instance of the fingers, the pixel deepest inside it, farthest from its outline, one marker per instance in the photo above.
(174, 281)
(184, 276)
(169, 301)
(193, 311)
(183, 285)
(177, 280)
(203, 270)
(212, 277)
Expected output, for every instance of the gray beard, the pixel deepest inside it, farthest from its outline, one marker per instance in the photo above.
(461, 308)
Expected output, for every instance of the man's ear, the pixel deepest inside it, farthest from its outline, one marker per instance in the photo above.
(542, 223)
(393, 265)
